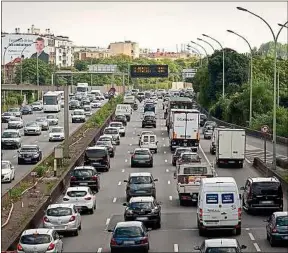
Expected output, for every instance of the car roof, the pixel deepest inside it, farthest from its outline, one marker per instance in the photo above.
(221, 243)
(60, 205)
(37, 231)
(84, 168)
(29, 146)
(113, 122)
(11, 130)
(183, 148)
(140, 174)
(264, 179)
(5, 161)
(278, 214)
(141, 199)
(96, 147)
(140, 149)
(216, 180)
(124, 224)
(57, 127)
(78, 188)
(106, 135)
(78, 110)
(111, 128)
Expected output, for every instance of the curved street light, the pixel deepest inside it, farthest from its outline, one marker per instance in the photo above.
(223, 63)
(202, 48)
(21, 71)
(275, 38)
(205, 41)
(283, 25)
(251, 73)
(196, 51)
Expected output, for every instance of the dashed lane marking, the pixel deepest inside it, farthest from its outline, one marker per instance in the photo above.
(167, 170)
(123, 170)
(162, 133)
(99, 250)
(257, 247)
(169, 182)
(247, 229)
(163, 139)
(206, 158)
(166, 161)
(14, 156)
(251, 237)
(170, 198)
(119, 183)
(126, 160)
(107, 221)
(164, 145)
(130, 144)
(114, 200)
(176, 248)
(165, 152)
(35, 141)
(247, 160)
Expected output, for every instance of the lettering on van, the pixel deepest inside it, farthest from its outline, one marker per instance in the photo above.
(184, 119)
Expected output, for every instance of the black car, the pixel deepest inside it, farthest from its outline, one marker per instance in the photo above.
(181, 150)
(141, 157)
(277, 228)
(262, 193)
(98, 157)
(6, 116)
(149, 107)
(212, 148)
(85, 176)
(29, 154)
(140, 184)
(144, 209)
(149, 120)
(85, 101)
(25, 110)
(108, 145)
(121, 118)
(74, 104)
(203, 119)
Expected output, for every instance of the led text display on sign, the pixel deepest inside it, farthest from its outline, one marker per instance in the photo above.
(147, 71)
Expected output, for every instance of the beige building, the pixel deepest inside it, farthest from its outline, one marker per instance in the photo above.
(127, 48)
(158, 55)
(85, 55)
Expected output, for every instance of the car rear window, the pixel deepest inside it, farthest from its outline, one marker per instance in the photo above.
(227, 198)
(266, 188)
(195, 170)
(95, 153)
(129, 232)
(221, 250)
(115, 124)
(140, 180)
(75, 194)
(211, 198)
(141, 152)
(149, 118)
(83, 173)
(141, 205)
(188, 157)
(35, 239)
(282, 221)
(110, 131)
(179, 151)
(59, 211)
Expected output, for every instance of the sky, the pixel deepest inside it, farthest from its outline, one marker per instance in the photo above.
(155, 25)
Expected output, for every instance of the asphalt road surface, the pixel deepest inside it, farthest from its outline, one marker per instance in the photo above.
(41, 140)
(179, 231)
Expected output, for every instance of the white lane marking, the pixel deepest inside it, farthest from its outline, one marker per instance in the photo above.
(14, 156)
(257, 247)
(119, 183)
(22, 204)
(107, 221)
(170, 198)
(251, 237)
(176, 248)
(123, 170)
(130, 144)
(166, 161)
(163, 139)
(206, 158)
(132, 138)
(165, 152)
(164, 145)
(162, 133)
(45, 135)
(35, 141)
(169, 182)
(247, 229)
(128, 152)
(167, 170)
(99, 250)
(114, 200)
(247, 161)
(133, 132)
(126, 160)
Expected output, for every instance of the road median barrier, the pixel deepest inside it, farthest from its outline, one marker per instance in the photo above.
(29, 208)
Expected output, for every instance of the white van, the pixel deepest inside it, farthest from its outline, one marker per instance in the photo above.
(219, 205)
(149, 141)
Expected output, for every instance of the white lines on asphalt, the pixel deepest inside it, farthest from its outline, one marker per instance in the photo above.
(133, 132)
(22, 204)
(126, 160)
(130, 144)
(99, 250)
(247, 229)
(132, 138)
(128, 152)
(167, 170)
(162, 133)
(206, 158)
(247, 160)
(119, 183)
(14, 156)
(166, 161)
(257, 247)
(107, 221)
(164, 145)
(35, 141)
(165, 152)
(169, 182)
(170, 198)
(45, 135)
(176, 248)
(123, 170)
(114, 200)
(163, 139)
(251, 237)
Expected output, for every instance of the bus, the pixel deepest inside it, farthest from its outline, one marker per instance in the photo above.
(52, 101)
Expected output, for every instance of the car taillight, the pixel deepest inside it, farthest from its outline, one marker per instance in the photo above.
(274, 230)
(73, 178)
(113, 241)
(46, 219)
(239, 213)
(19, 247)
(94, 178)
(72, 218)
(51, 246)
(88, 198)
(144, 240)
(249, 195)
(133, 156)
(200, 213)
(65, 199)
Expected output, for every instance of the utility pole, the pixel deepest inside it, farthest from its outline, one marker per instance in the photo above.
(66, 121)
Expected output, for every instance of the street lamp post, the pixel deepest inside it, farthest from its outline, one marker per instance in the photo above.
(223, 63)
(4, 67)
(195, 50)
(251, 74)
(202, 48)
(205, 41)
(21, 73)
(275, 38)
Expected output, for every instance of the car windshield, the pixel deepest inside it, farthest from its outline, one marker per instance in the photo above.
(32, 124)
(40, 119)
(7, 114)
(282, 221)
(83, 173)
(36, 103)
(10, 135)
(51, 117)
(129, 232)
(110, 131)
(116, 125)
(95, 101)
(105, 139)
(74, 102)
(4, 165)
(28, 149)
(95, 153)
(190, 157)
(141, 205)
(266, 188)
(140, 180)
(142, 152)
(195, 171)
(59, 211)
(180, 151)
(75, 194)
(103, 143)
(14, 110)
(57, 130)
(14, 119)
(78, 113)
(35, 239)
(221, 250)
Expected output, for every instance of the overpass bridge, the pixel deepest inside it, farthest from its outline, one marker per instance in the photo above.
(23, 87)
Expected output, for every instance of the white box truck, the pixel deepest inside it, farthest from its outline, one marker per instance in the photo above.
(230, 146)
(184, 128)
(124, 109)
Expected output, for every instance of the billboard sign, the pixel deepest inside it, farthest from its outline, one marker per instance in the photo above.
(188, 73)
(101, 68)
(26, 45)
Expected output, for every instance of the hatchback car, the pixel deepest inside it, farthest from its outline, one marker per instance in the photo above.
(107, 137)
(149, 120)
(120, 127)
(212, 124)
(181, 150)
(15, 123)
(11, 138)
(108, 144)
(17, 111)
(37, 106)
(262, 193)
(85, 176)
(40, 240)
(277, 228)
(82, 197)
(141, 157)
(74, 104)
(7, 172)
(220, 246)
(29, 154)
(96, 103)
(6, 116)
(188, 157)
(121, 118)
(26, 109)
(32, 128)
(144, 209)
(78, 115)
(140, 184)
(98, 157)
(129, 235)
(114, 131)
(52, 120)
(56, 134)
(43, 123)
(62, 218)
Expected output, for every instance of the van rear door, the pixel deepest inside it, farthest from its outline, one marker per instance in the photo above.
(211, 209)
(229, 208)
(145, 140)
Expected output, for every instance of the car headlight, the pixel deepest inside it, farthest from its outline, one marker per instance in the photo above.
(35, 155)
(130, 212)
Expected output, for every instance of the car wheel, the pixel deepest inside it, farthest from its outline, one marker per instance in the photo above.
(155, 151)
(19, 162)
(201, 232)
(91, 211)
(80, 227)
(238, 231)
(158, 224)
(267, 236)
(271, 241)
(173, 163)
(151, 165)
(112, 155)
(142, 126)
(76, 233)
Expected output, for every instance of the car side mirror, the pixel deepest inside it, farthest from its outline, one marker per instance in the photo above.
(110, 230)
(242, 188)
(157, 142)
(243, 247)
(159, 202)
(240, 196)
(156, 180)
(125, 181)
(197, 248)
(124, 204)
(12, 167)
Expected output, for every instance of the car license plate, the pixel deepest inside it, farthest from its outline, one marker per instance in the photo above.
(141, 161)
(83, 183)
(141, 191)
(285, 237)
(141, 218)
(27, 159)
(231, 162)
(266, 202)
(129, 242)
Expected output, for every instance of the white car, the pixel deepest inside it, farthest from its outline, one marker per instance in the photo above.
(32, 128)
(107, 137)
(220, 245)
(15, 123)
(56, 134)
(114, 132)
(62, 218)
(7, 172)
(37, 106)
(78, 115)
(96, 104)
(52, 120)
(87, 110)
(120, 127)
(17, 111)
(40, 240)
(82, 197)
(11, 138)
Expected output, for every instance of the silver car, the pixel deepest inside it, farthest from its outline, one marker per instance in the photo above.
(15, 123)
(17, 112)
(62, 218)
(52, 120)
(43, 123)
(32, 128)
(40, 240)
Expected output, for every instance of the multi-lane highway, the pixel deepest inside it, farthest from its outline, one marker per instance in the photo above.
(42, 141)
(179, 231)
